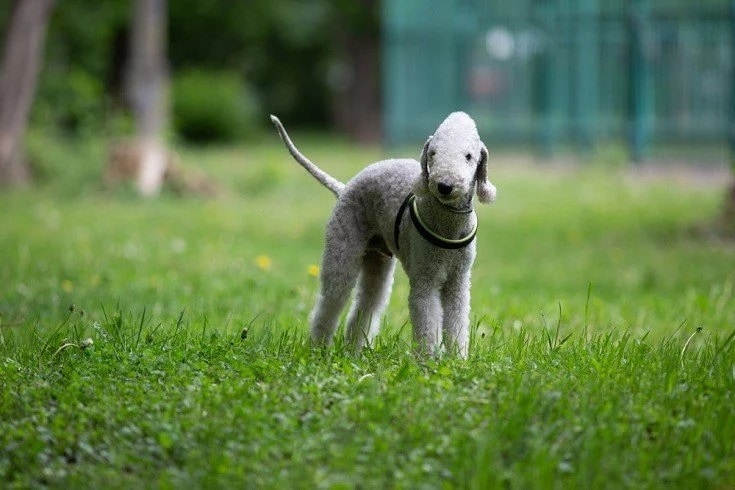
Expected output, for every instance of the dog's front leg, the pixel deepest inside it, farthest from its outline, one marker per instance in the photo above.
(455, 297)
(425, 307)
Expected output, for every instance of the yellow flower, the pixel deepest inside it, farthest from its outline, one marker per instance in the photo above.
(67, 286)
(263, 262)
(313, 270)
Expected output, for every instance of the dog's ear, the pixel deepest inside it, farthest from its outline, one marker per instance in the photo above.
(422, 185)
(486, 192)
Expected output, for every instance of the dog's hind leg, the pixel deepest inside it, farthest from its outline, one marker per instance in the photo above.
(371, 297)
(343, 249)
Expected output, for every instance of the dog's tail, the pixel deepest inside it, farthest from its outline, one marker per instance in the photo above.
(327, 180)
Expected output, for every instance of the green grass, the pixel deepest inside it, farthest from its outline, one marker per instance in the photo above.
(587, 367)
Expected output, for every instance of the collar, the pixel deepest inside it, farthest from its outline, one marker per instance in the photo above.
(429, 235)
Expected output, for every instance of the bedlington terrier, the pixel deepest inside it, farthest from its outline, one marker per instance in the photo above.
(421, 213)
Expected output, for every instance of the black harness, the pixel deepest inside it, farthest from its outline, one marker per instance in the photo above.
(430, 236)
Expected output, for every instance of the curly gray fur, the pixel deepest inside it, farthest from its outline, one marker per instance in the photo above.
(359, 248)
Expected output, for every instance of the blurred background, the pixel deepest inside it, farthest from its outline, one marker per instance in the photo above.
(556, 73)
(630, 80)
(610, 124)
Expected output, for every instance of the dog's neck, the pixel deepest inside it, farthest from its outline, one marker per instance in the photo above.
(451, 223)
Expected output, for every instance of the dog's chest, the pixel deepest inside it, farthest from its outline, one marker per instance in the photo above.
(438, 266)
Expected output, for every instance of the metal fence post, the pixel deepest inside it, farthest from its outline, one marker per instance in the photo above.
(548, 80)
(586, 68)
(639, 79)
(393, 83)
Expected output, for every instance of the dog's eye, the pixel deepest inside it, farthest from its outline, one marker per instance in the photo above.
(468, 157)
(432, 153)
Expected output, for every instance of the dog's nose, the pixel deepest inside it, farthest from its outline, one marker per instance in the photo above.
(444, 189)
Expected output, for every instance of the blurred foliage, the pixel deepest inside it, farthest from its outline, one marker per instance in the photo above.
(81, 73)
(212, 106)
(284, 50)
(71, 100)
(287, 50)
(281, 47)
(68, 166)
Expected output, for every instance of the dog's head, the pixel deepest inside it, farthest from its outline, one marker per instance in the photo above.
(454, 164)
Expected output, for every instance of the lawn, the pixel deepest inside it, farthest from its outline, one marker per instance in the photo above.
(163, 343)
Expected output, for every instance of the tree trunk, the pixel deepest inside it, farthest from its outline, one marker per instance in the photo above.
(148, 91)
(356, 102)
(728, 213)
(21, 61)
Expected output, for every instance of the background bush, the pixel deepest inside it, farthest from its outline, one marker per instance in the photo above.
(72, 102)
(211, 106)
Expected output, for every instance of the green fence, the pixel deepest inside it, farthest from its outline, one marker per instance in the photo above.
(562, 72)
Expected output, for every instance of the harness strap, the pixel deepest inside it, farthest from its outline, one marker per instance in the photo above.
(430, 236)
(399, 218)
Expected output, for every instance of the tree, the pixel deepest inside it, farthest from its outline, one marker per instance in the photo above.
(21, 61)
(728, 212)
(147, 87)
(356, 93)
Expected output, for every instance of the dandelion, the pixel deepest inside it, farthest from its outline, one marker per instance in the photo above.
(67, 286)
(101, 331)
(313, 270)
(263, 262)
